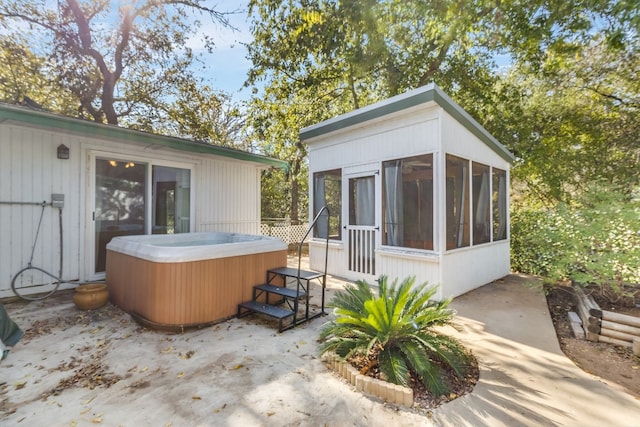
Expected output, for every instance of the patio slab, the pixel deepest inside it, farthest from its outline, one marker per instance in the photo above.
(242, 372)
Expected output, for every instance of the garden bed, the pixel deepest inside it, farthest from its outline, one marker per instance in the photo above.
(613, 363)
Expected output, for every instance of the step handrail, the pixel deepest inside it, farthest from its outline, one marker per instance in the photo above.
(326, 255)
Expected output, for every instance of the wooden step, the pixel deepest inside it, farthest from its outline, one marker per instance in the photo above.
(279, 290)
(269, 310)
(293, 272)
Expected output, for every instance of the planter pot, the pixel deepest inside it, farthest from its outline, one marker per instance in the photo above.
(90, 296)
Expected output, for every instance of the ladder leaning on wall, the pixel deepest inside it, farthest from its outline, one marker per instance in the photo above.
(286, 293)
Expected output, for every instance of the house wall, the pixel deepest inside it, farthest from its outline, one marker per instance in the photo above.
(225, 196)
(459, 141)
(30, 172)
(363, 148)
(398, 264)
(398, 135)
(467, 268)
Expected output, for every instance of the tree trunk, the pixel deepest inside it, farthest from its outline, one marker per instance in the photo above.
(295, 199)
(296, 164)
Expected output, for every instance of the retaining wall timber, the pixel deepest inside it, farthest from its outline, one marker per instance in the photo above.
(606, 326)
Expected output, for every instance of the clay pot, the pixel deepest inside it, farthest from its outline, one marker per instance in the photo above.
(90, 296)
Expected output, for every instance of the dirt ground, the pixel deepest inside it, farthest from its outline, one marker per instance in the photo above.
(102, 368)
(614, 364)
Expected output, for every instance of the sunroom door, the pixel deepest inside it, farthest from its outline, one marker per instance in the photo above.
(362, 226)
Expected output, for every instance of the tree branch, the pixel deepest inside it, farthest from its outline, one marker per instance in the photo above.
(631, 102)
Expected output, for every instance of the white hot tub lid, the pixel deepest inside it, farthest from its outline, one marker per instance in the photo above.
(186, 247)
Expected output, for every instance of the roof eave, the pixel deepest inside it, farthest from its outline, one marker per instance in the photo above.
(422, 95)
(93, 129)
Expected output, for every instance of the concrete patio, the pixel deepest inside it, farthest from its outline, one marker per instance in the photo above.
(242, 372)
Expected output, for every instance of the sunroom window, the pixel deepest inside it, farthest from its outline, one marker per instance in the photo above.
(481, 203)
(457, 188)
(499, 198)
(408, 202)
(327, 191)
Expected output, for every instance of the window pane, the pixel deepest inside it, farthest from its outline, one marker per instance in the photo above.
(408, 202)
(499, 199)
(481, 204)
(120, 204)
(327, 191)
(362, 201)
(171, 200)
(457, 172)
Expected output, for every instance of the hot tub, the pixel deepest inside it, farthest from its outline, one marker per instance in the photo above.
(176, 281)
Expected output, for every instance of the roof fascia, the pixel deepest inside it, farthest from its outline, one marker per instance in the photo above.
(422, 95)
(93, 129)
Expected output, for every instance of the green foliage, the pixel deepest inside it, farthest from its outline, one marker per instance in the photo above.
(275, 194)
(595, 239)
(573, 124)
(568, 108)
(25, 78)
(397, 326)
(118, 60)
(535, 241)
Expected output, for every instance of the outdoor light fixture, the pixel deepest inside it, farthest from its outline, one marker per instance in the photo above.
(63, 152)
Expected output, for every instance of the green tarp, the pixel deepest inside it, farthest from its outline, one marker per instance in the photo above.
(10, 333)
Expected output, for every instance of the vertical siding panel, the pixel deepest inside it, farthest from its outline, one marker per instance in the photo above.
(231, 199)
(6, 212)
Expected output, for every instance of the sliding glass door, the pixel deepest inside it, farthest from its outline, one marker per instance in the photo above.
(120, 203)
(133, 197)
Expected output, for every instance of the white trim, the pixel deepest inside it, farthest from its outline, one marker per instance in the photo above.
(432, 257)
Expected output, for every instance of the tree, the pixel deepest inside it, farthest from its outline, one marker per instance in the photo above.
(337, 56)
(195, 111)
(575, 122)
(275, 122)
(25, 78)
(113, 72)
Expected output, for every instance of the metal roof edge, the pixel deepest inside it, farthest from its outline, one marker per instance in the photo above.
(412, 98)
(382, 108)
(75, 125)
(464, 118)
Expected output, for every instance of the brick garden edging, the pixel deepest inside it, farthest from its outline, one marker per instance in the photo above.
(384, 390)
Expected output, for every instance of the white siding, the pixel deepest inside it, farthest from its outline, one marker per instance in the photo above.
(225, 196)
(337, 263)
(30, 172)
(466, 269)
(388, 139)
(229, 194)
(398, 265)
(459, 141)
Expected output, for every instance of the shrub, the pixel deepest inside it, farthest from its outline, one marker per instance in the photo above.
(396, 328)
(593, 240)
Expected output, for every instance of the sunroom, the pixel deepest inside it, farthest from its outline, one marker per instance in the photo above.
(415, 187)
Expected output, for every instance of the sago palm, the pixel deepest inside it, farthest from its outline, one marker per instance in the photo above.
(397, 326)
